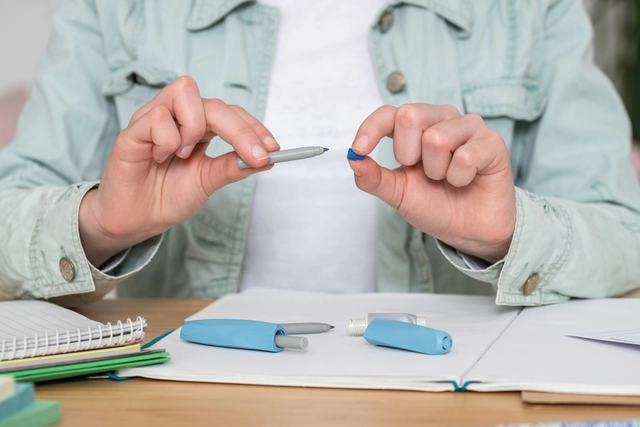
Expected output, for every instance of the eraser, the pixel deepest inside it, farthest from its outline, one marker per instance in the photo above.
(351, 155)
(407, 336)
(233, 333)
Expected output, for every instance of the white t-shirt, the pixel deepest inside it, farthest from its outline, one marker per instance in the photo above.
(310, 227)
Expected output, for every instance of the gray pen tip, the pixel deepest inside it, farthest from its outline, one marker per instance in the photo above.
(325, 149)
(331, 327)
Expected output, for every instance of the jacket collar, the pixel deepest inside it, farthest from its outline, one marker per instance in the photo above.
(205, 13)
(458, 13)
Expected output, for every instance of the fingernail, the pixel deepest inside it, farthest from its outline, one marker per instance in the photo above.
(186, 151)
(272, 143)
(361, 143)
(164, 158)
(356, 171)
(259, 153)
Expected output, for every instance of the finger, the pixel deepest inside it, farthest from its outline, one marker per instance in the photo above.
(376, 126)
(381, 182)
(263, 133)
(441, 140)
(158, 128)
(411, 121)
(216, 172)
(232, 128)
(182, 99)
(478, 156)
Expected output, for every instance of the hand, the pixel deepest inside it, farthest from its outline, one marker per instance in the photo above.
(454, 181)
(158, 174)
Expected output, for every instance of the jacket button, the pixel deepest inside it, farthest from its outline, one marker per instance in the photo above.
(531, 284)
(386, 21)
(67, 269)
(396, 82)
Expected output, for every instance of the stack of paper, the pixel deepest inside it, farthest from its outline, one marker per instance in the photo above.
(19, 408)
(41, 341)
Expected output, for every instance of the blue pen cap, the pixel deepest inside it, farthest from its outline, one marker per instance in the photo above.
(407, 336)
(233, 333)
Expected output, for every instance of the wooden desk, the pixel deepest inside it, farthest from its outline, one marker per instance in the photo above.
(141, 402)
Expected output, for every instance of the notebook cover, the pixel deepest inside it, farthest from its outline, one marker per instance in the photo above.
(7, 387)
(39, 414)
(542, 398)
(93, 367)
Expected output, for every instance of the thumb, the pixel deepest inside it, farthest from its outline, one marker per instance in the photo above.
(216, 172)
(381, 182)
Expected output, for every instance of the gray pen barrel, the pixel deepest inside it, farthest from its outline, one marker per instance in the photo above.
(287, 155)
(305, 328)
(287, 341)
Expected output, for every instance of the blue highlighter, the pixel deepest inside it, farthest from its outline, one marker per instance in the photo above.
(241, 334)
(351, 155)
(407, 336)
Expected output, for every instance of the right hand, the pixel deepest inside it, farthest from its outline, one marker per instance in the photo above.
(158, 174)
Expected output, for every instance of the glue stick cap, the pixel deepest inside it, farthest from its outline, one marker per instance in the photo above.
(358, 325)
(408, 336)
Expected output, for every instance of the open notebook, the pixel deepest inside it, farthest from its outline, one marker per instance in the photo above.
(37, 328)
(494, 348)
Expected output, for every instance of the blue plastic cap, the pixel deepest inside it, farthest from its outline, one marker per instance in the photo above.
(407, 336)
(233, 333)
(351, 155)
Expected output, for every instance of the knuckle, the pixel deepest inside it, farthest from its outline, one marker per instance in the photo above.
(475, 118)
(407, 115)
(464, 158)
(436, 138)
(185, 83)
(159, 114)
(214, 105)
(450, 110)
(387, 109)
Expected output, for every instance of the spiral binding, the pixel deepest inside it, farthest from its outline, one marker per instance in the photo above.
(89, 339)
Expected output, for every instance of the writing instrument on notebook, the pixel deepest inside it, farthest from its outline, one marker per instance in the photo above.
(289, 155)
(306, 328)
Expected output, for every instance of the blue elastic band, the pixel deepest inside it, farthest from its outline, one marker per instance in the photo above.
(115, 377)
(461, 388)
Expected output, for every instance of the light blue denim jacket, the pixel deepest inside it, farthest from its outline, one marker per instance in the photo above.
(524, 66)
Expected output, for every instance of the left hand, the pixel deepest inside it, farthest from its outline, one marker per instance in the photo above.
(454, 181)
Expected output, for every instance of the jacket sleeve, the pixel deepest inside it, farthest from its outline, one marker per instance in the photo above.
(64, 138)
(577, 230)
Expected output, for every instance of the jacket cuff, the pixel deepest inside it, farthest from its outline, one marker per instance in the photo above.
(539, 248)
(58, 263)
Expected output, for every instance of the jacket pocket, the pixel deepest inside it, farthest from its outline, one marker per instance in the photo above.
(132, 85)
(517, 99)
(208, 257)
(511, 108)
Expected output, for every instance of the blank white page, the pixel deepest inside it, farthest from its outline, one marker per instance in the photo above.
(534, 354)
(335, 359)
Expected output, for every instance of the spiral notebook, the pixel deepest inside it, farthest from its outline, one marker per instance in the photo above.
(31, 329)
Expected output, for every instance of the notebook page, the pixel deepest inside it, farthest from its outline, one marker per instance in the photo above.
(534, 354)
(38, 328)
(28, 318)
(335, 359)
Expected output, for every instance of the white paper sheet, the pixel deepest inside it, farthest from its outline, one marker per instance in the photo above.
(335, 359)
(624, 336)
(534, 354)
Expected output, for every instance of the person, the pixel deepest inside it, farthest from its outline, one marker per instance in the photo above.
(501, 153)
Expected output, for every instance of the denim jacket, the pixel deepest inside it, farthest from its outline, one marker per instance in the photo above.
(526, 67)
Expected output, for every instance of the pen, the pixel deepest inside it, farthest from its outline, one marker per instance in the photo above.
(306, 328)
(288, 155)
